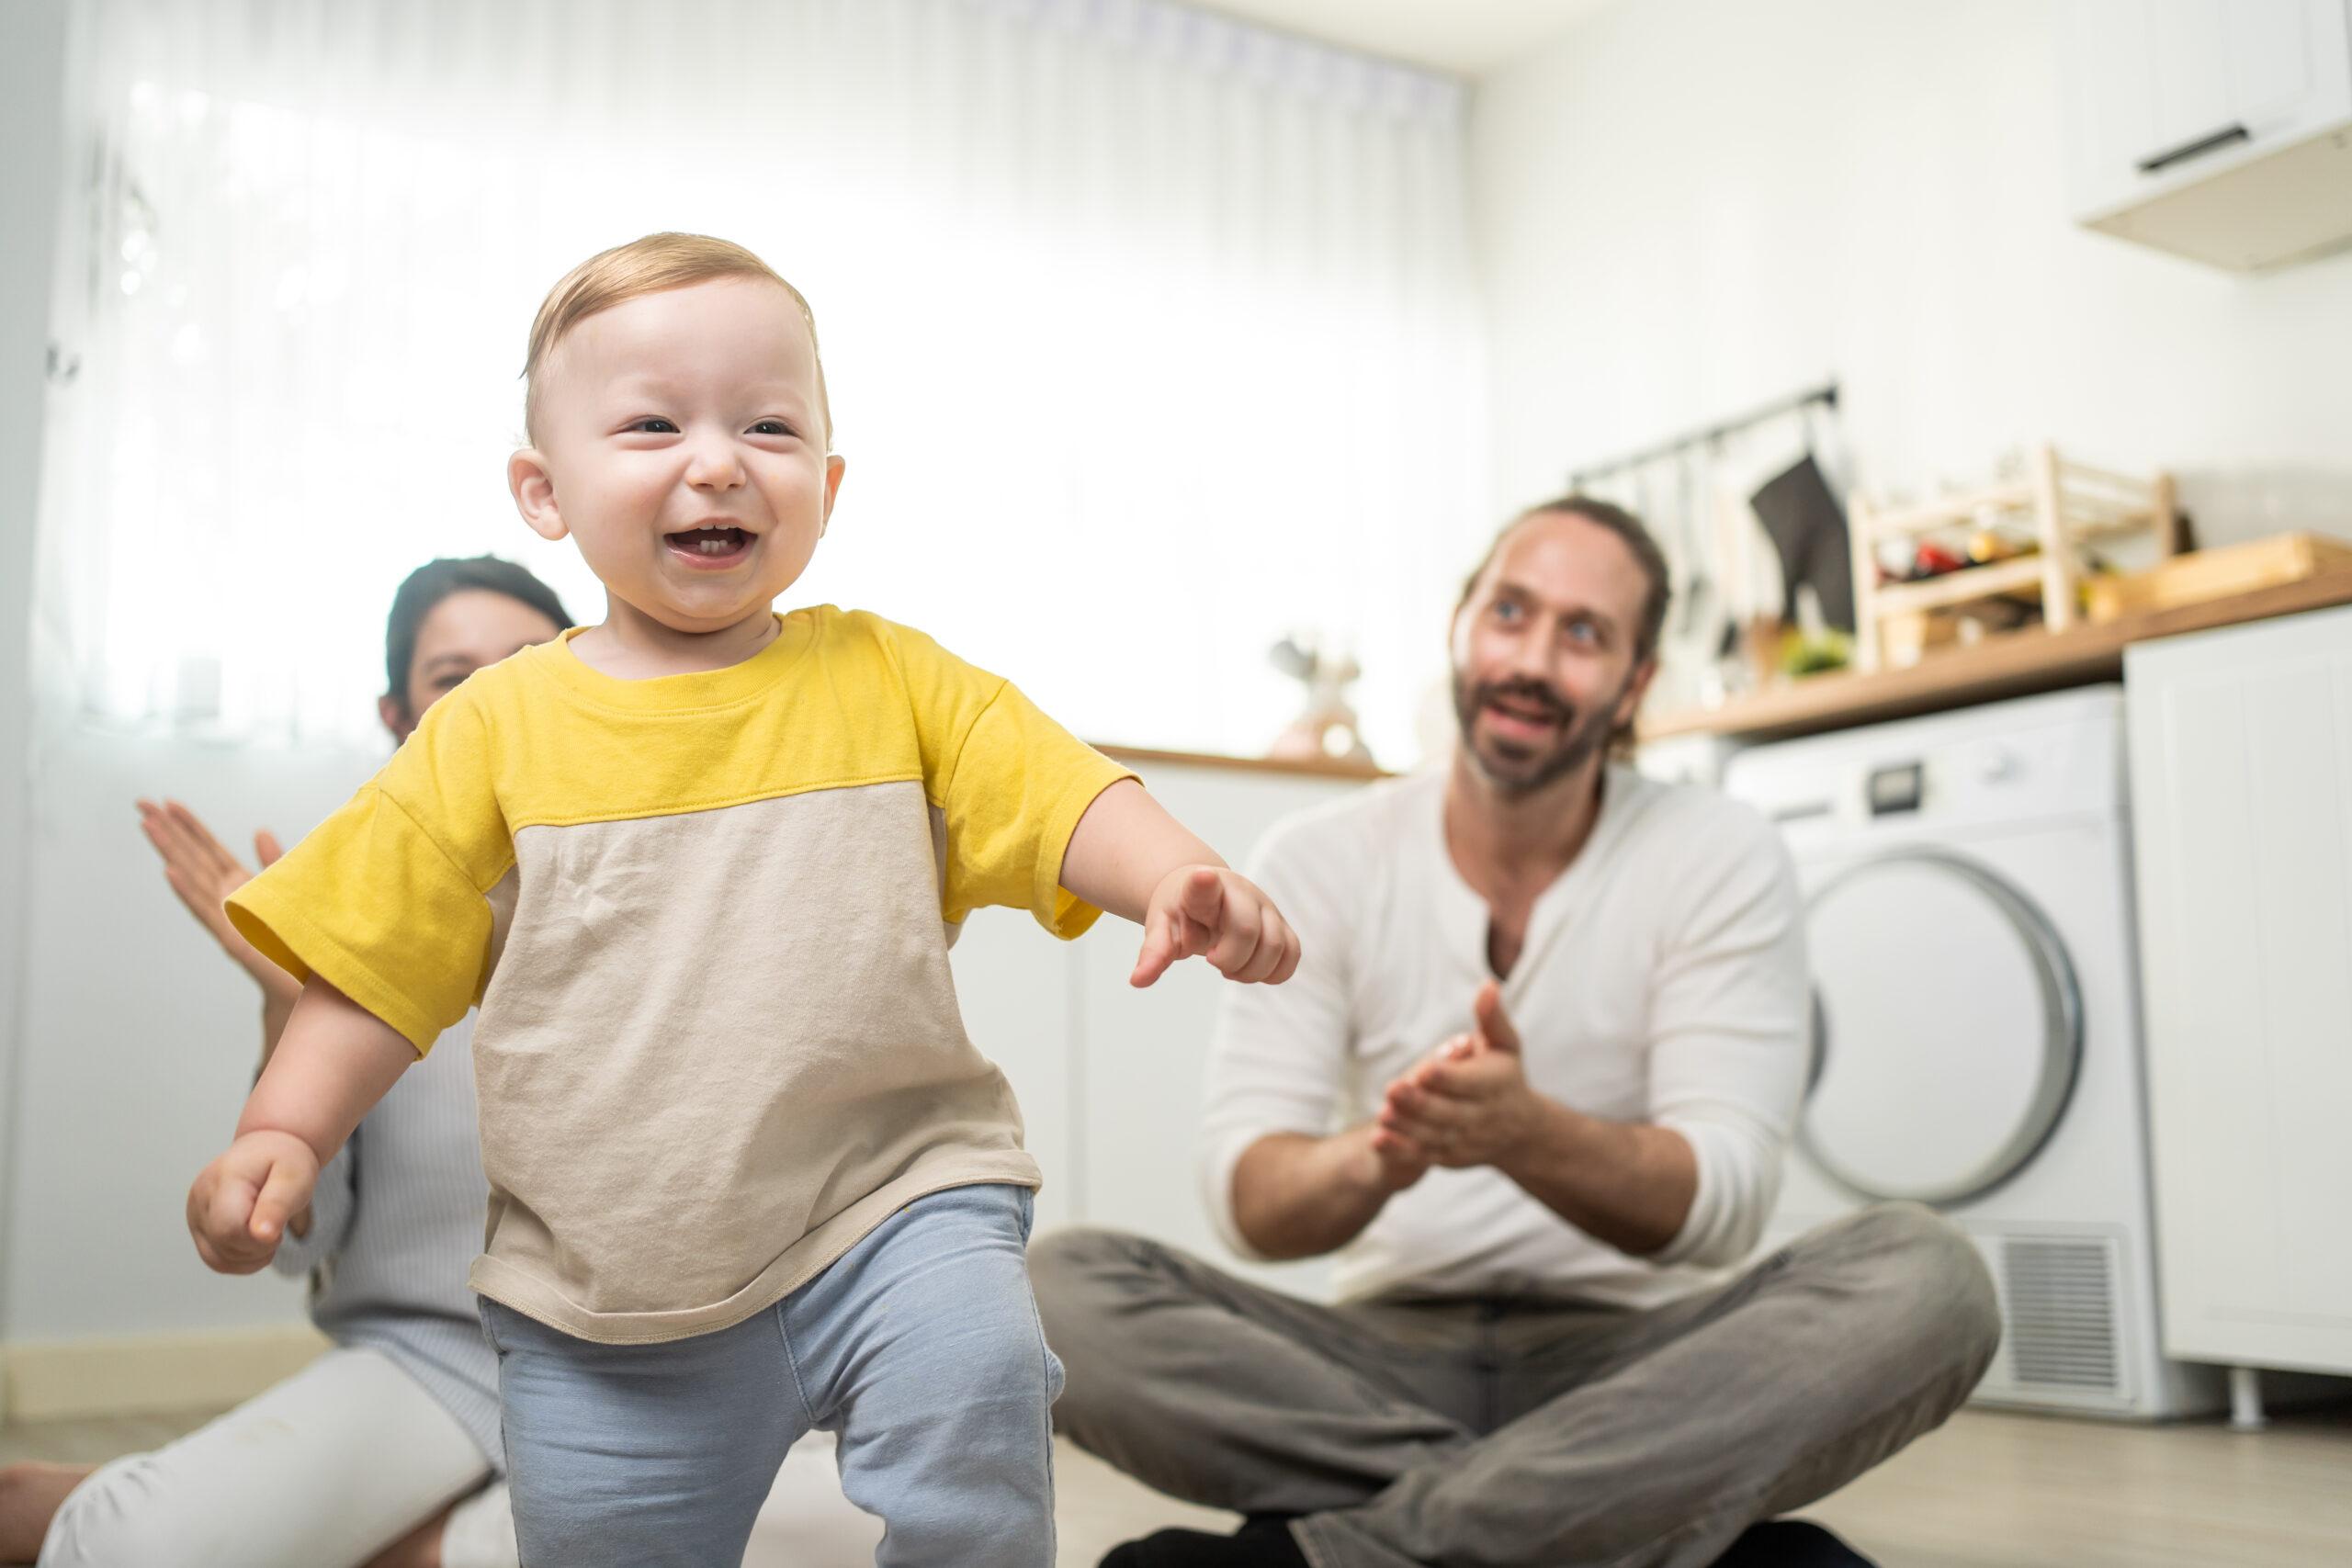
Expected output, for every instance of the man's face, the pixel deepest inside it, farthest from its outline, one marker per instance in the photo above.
(1543, 656)
(682, 445)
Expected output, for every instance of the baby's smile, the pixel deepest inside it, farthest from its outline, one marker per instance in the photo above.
(715, 547)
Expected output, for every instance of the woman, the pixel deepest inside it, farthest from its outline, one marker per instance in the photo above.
(384, 1451)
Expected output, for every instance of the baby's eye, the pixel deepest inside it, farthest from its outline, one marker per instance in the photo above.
(771, 427)
(653, 424)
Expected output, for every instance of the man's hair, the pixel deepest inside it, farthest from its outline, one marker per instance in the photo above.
(435, 580)
(653, 264)
(1601, 513)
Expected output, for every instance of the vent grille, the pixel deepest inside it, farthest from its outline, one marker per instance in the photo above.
(2061, 1328)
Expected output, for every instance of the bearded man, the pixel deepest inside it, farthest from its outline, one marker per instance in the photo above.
(1530, 1088)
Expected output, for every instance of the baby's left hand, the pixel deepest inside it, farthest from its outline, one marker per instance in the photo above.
(1221, 915)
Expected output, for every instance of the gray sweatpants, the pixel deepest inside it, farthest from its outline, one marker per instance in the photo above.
(1522, 1429)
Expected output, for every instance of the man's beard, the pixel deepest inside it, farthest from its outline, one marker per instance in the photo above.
(1521, 768)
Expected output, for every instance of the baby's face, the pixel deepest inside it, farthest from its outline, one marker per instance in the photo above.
(682, 446)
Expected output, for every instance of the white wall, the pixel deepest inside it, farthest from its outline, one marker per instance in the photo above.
(139, 1038)
(1684, 208)
(32, 57)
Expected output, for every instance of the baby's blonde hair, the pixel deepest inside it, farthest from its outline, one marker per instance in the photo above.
(653, 264)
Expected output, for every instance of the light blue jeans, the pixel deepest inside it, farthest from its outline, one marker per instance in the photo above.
(919, 1348)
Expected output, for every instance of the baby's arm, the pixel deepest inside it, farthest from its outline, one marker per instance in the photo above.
(1131, 857)
(334, 1062)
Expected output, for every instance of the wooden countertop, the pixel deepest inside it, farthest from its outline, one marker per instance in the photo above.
(1142, 760)
(2007, 666)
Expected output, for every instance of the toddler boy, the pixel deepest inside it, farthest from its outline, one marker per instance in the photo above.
(701, 864)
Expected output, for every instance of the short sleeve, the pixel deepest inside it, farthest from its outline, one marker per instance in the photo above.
(385, 899)
(1011, 783)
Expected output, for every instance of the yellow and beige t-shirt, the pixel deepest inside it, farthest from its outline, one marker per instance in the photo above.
(706, 918)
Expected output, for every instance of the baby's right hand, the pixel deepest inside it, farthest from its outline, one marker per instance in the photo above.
(240, 1202)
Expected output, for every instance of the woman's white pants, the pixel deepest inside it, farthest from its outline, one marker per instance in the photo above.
(323, 1471)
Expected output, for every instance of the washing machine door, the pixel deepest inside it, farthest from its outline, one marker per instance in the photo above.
(1947, 1028)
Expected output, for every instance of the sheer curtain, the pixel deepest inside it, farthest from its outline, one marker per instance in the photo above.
(1150, 334)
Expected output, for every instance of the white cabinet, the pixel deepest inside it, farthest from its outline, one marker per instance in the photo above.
(1144, 1053)
(2219, 129)
(2241, 749)
(1016, 987)
(1109, 1077)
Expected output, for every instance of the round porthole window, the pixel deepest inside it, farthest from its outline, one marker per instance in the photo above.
(1947, 1029)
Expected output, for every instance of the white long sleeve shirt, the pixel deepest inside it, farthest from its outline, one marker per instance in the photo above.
(1662, 980)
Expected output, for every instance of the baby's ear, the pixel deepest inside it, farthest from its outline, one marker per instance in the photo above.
(834, 468)
(534, 492)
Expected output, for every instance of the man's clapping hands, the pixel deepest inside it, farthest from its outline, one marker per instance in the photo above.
(1467, 1105)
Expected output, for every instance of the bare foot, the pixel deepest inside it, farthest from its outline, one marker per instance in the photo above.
(31, 1494)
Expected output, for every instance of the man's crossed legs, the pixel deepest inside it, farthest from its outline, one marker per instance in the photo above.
(1518, 1429)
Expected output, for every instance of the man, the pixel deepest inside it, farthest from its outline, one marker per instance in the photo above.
(1557, 1013)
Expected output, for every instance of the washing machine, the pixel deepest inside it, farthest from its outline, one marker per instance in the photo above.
(1975, 1029)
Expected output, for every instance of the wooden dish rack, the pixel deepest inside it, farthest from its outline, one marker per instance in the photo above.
(2068, 505)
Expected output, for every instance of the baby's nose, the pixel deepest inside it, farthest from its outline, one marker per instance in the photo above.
(714, 466)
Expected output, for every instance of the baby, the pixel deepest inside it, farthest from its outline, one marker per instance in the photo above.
(701, 864)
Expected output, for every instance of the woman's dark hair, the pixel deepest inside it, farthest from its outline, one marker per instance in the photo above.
(435, 580)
